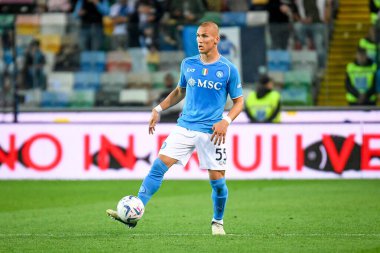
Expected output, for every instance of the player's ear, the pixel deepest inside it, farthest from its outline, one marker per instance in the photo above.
(217, 40)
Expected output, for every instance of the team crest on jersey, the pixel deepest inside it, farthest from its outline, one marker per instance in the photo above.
(191, 82)
(219, 73)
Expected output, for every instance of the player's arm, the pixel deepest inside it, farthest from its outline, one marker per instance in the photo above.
(238, 105)
(172, 99)
(220, 128)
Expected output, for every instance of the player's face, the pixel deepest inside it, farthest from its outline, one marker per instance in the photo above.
(207, 39)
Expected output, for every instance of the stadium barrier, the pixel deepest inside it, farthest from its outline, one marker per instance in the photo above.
(287, 116)
(126, 151)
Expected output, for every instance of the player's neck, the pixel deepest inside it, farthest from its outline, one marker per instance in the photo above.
(210, 57)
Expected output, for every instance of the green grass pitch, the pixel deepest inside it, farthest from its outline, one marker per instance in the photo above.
(261, 216)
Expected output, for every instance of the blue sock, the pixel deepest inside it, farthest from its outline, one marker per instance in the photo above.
(219, 197)
(152, 181)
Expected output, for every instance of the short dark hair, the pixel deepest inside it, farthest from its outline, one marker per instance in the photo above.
(264, 79)
(361, 50)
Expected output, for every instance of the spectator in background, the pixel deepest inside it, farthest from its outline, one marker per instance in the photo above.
(369, 43)
(146, 14)
(237, 5)
(215, 5)
(119, 13)
(67, 59)
(168, 36)
(360, 80)
(310, 29)
(186, 11)
(6, 39)
(281, 16)
(2, 66)
(328, 10)
(34, 76)
(153, 58)
(147, 38)
(91, 14)
(6, 96)
(6, 55)
(264, 104)
(6, 67)
(374, 8)
(41, 7)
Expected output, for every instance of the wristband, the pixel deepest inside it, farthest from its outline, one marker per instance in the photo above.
(228, 119)
(158, 108)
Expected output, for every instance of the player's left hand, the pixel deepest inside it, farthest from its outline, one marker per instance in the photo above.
(153, 120)
(220, 130)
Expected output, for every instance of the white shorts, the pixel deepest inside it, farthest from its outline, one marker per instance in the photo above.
(181, 143)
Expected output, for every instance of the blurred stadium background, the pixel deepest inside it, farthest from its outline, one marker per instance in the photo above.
(110, 61)
(78, 80)
(120, 57)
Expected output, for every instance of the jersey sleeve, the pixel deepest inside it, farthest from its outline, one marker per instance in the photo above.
(235, 88)
(182, 80)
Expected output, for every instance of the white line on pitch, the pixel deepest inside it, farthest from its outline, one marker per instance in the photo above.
(186, 234)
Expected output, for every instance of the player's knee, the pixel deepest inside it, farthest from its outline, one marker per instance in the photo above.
(168, 161)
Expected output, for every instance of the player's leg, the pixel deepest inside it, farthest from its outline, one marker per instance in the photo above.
(219, 197)
(177, 148)
(150, 184)
(213, 158)
(153, 180)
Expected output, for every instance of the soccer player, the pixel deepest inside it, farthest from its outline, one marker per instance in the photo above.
(205, 82)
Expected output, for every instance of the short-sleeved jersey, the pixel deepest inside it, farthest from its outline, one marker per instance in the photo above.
(207, 87)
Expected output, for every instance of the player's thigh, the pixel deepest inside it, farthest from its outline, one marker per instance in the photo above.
(179, 145)
(168, 161)
(211, 156)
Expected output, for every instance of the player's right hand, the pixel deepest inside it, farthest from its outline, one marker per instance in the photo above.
(153, 120)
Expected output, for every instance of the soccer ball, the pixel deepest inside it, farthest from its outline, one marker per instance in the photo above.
(130, 209)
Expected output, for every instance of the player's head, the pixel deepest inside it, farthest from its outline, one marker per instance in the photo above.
(207, 37)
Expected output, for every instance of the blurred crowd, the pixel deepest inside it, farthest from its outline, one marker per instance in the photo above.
(156, 26)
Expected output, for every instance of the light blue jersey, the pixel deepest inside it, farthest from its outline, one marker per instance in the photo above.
(207, 87)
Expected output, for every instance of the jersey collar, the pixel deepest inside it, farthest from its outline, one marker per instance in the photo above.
(209, 63)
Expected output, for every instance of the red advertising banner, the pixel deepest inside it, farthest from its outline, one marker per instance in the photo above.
(126, 151)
